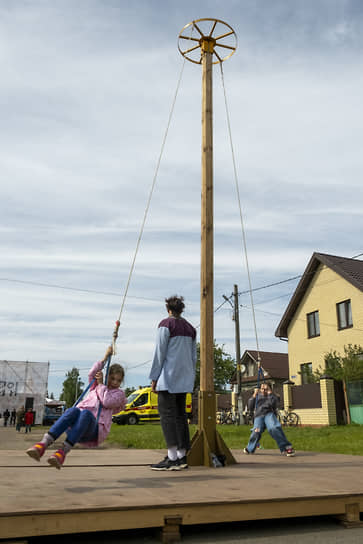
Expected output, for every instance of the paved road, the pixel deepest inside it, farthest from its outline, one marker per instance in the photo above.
(10, 439)
(301, 531)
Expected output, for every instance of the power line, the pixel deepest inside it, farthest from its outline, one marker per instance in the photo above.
(271, 284)
(110, 293)
(139, 364)
(87, 368)
(274, 284)
(57, 286)
(227, 299)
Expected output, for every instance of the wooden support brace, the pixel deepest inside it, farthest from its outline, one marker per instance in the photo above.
(207, 442)
(171, 530)
(351, 518)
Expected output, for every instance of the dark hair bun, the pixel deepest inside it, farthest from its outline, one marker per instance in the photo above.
(175, 304)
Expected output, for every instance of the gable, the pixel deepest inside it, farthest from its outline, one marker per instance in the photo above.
(349, 269)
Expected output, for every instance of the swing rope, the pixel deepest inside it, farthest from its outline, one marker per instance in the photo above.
(260, 375)
(242, 222)
(152, 189)
(117, 325)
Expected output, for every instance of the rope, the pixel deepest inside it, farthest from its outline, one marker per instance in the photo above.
(241, 217)
(90, 385)
(151, 191)
(117, 325)
(260, 374)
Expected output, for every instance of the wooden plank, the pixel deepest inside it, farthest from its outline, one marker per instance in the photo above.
(30, 525)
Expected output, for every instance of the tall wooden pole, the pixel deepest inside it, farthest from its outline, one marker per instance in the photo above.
(206, 302)
(207, 447)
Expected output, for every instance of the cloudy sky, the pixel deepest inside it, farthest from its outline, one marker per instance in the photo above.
(86, 92)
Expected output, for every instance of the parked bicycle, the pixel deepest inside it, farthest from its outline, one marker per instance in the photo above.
(248, 417)
(288, 419)
(228, 417)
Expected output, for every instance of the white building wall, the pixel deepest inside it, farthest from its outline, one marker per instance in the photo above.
(21, 381)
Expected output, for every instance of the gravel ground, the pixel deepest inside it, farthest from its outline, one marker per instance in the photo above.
(10, 439)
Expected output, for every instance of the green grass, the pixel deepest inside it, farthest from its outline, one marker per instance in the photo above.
(336, 439)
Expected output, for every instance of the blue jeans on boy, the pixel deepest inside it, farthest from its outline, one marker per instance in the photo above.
(272, 424)
(81, 426)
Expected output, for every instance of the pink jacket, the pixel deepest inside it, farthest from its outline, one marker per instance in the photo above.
(112, 401)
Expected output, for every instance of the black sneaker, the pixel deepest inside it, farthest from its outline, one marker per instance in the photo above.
(166, 464)
(183, 463)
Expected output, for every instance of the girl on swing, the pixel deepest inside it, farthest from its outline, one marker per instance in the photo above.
(90, 421)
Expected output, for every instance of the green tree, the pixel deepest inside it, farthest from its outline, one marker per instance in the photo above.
(344, 368)
(72, 387)
(129, 391)
(347, 367)
(224, 367)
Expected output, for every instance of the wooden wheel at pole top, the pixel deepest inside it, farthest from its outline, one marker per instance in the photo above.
(221, 36)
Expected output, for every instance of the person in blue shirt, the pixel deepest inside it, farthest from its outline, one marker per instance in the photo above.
(172, 377)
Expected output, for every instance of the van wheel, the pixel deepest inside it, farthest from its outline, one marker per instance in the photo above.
(132, 419)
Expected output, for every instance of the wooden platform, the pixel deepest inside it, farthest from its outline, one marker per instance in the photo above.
(111, 489)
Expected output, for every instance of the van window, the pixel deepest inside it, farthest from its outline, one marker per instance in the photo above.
(141, 400)
(132, 397)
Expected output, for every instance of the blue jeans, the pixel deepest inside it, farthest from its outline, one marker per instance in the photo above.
(81, 426)
(272, 424)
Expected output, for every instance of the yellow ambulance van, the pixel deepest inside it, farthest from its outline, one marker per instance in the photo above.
(142, 405)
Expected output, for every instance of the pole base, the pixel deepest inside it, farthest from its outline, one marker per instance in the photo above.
(208, 447)
(202, 454)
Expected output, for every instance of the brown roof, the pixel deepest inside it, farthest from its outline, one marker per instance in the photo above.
(275, 364)
(349, 269)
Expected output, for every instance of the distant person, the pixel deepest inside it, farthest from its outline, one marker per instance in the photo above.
(13, 417)
(28, 420)
(80, 422)
(263, 404)
(6, 416)
(20, 418)
(172, 377)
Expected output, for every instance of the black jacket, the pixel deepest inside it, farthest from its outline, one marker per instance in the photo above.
(261, 405)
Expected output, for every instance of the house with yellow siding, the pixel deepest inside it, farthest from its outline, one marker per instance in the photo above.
(324, 314)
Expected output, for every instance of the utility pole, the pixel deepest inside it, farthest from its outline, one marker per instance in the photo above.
(238, 353)
(235, 307)
(206, 47)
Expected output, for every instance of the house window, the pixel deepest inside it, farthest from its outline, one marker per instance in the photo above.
(344, 315)
(306, 372)
(313, 324)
